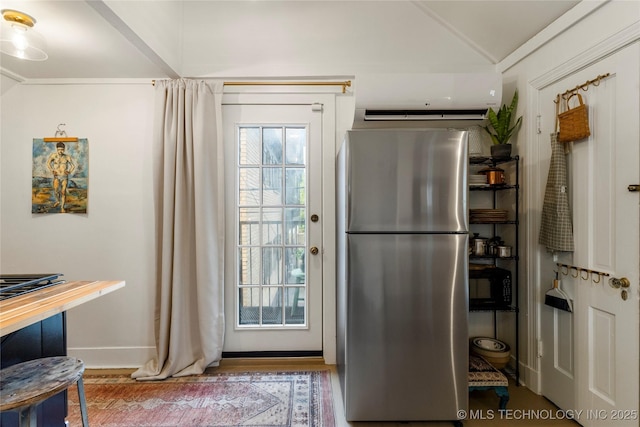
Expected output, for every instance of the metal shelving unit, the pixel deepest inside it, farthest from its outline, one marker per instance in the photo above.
(512, 262)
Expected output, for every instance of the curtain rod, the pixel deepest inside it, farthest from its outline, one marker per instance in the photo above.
(344, 84)
(584, 86)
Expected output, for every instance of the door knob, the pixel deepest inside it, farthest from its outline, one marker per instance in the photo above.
(623, 282)
(314, 218)
(314, 250)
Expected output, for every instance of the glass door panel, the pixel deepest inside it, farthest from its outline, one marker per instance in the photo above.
(271, 211)
(273, 290)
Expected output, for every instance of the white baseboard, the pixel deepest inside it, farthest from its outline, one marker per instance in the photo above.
(529, 377)
(112, 357)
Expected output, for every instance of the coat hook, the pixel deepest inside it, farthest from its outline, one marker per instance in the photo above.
(598, 275)
(565, 267)
(585, 271)
(577, 272)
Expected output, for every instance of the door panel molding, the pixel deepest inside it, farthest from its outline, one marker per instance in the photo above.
(563, 339)
(601, 334)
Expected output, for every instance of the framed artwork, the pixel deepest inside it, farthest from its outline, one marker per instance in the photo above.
(60, 175)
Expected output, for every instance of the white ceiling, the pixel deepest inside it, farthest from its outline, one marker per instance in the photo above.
(261, 38)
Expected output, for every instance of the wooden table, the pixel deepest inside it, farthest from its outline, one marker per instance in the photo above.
(24, 310)
(33, 326)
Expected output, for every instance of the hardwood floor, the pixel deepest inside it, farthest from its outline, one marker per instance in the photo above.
(525, 408)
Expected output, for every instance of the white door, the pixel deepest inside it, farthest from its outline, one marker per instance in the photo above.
(590, 359)
(273, 294)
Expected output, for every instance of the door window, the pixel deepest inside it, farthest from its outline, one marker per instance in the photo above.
(271, 225)
(273, 269)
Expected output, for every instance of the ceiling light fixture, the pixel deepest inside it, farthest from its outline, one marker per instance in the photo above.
(19, 39)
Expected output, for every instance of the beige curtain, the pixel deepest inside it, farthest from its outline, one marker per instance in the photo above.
(189, 194)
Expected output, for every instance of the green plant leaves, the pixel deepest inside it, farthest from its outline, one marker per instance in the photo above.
(499, 127)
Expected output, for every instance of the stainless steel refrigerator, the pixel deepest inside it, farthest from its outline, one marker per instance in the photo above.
(402, 274)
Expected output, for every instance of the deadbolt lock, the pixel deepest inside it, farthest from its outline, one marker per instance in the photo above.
(314, 218)
(314, 250)
(633, 188)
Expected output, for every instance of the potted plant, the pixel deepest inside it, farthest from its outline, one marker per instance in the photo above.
(500, 127)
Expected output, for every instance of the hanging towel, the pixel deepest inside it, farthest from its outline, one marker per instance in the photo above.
(556, 230)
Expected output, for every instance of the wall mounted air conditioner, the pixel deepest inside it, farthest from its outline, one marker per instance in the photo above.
(425, 97)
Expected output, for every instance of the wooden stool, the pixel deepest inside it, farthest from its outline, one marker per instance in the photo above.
(25, 385)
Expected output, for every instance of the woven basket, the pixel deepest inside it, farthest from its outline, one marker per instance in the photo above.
(574, 122)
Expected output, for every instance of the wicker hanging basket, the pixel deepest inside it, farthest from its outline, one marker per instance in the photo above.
(574, 122)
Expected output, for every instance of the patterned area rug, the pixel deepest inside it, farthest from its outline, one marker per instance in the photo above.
(227, 399)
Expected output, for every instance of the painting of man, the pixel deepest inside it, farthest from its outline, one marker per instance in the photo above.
(61, 166)
(59, 176)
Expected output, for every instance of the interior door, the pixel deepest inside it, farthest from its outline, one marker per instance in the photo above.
(273, 294)
(594, 350)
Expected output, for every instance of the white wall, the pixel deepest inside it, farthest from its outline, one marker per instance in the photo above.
(114, 240)
(6, 83)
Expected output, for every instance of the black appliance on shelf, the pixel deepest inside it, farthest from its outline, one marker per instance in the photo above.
(489, 288)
